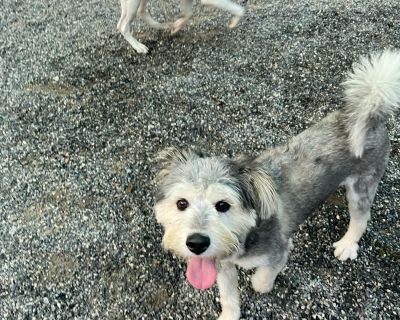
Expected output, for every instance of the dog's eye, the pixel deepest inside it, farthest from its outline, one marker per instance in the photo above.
(182, 204)
(222, 206)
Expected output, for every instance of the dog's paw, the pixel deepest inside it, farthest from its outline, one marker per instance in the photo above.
(233, 23)
(178, 25)
(345, 249)
(163, 26)
(229, 315)
(153, 23)
(159, 26)
(140, 48)
(261, 283)
(235, 20)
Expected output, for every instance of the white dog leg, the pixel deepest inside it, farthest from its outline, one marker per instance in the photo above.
(123, 14)
(148, 19)
(227, 280)
(131, 8)
(186, 13)
(264, 278)
(360, 194)
(229, 6)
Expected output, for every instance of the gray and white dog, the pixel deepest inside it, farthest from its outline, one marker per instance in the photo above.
(219, 212)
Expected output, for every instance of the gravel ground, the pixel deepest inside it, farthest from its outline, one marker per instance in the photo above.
(82, 117)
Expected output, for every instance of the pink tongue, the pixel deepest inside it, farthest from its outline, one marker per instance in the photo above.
(201, 272)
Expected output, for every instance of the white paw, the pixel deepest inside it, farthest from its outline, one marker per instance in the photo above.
(153, 23)
(233, 23)
(260, 284)
(178, 24)
(161, 26)
(229, 315)
(345, 249)
(140, 48)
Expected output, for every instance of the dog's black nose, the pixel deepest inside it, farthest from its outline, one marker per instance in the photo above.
(197, 243)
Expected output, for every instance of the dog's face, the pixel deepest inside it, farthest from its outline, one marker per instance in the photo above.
(203, 205)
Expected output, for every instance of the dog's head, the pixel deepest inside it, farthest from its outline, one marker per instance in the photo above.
(207, 205)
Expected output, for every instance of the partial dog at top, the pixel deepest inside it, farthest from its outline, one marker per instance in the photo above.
(132, 8)
(219, 212)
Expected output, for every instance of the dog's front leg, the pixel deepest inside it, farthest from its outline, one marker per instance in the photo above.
(229, 294)
(129, 9)
(186, 13)
(264, 278)
(146, 17)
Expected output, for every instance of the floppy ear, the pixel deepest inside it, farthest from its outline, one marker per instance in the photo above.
(170, 157)
(167, 159)
(260, 188)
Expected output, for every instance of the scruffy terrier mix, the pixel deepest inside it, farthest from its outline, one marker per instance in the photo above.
(131, 8)
(219, 212)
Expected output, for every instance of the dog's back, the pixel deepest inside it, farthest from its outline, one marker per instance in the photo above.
(349, 144)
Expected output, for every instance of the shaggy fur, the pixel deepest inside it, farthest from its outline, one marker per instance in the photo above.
(248, 208)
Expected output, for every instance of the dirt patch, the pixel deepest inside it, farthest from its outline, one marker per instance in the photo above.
(53, 89)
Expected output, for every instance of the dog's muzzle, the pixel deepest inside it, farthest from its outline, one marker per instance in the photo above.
(197, 243)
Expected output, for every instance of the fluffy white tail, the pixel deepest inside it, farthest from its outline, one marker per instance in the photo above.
(372, 91)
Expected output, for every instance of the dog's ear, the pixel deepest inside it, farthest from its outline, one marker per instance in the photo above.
(170, 157)
(259, 187)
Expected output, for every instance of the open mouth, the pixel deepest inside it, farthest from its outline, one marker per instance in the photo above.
(201, 272)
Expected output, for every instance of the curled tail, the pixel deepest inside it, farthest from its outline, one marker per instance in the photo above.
(372, 91)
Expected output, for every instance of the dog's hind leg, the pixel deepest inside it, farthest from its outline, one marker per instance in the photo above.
(360, 192)
(131, 8)
(229, 6)
(148, 19)
(186, 13)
